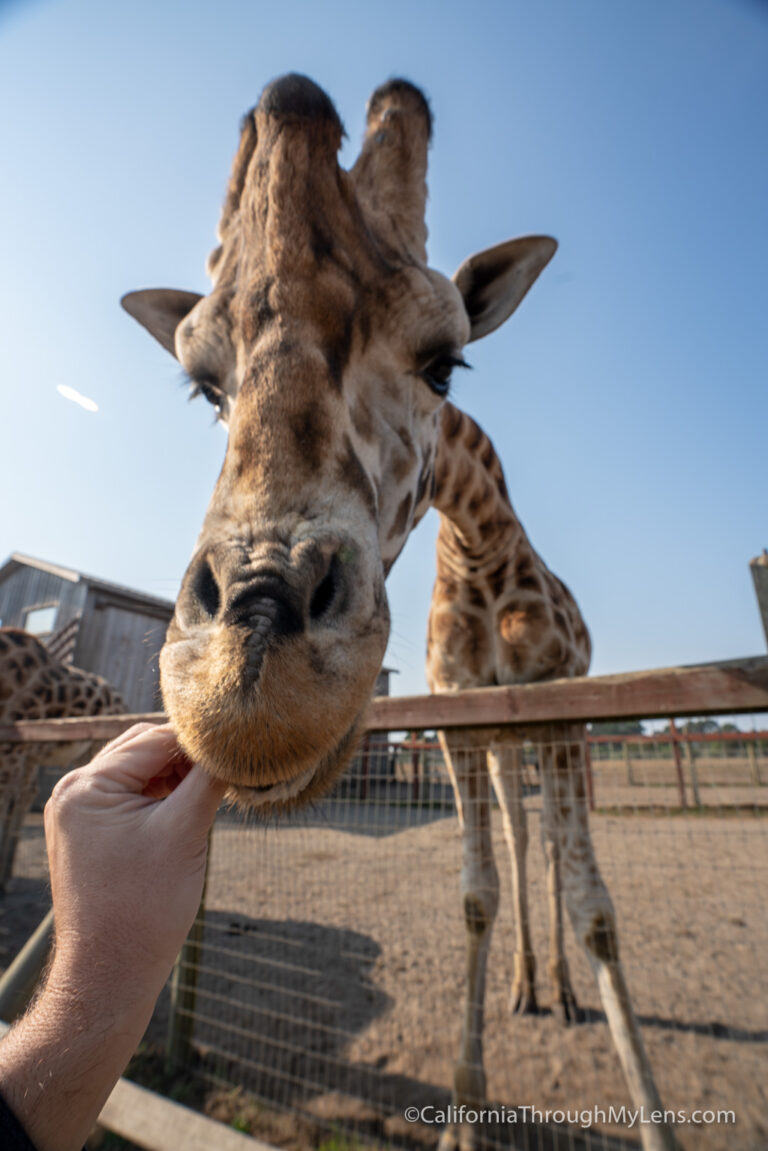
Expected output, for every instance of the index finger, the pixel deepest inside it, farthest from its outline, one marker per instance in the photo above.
(137, 757)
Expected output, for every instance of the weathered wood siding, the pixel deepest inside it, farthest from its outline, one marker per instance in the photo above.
(28, 587)
(122, 642)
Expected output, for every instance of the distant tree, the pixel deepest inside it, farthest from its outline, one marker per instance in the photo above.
(618, 727)
(700, 727)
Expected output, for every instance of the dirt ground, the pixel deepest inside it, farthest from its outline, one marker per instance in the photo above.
(333, 964)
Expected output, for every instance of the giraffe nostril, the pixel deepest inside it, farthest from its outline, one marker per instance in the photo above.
(325, 592)
(206, 590)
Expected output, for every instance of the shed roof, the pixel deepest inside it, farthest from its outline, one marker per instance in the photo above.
(17, 560)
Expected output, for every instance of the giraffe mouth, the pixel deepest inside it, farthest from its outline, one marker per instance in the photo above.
(272, 793)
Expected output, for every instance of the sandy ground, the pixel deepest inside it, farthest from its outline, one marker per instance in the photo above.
(333, 964)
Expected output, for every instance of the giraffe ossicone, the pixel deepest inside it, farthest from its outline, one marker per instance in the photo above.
(327, 345)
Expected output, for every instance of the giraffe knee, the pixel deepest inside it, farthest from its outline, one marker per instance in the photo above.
(601, 939)
(478, 914)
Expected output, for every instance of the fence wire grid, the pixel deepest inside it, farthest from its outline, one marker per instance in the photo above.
(328, 973)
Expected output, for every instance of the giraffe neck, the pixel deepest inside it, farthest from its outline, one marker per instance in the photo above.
(478, 525)
(498, 614)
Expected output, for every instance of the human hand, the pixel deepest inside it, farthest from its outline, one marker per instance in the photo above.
(127, 843)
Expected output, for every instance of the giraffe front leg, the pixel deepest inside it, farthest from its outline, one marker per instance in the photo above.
(505, 768)
(565, 822)
(480, 899)
(564, 1000)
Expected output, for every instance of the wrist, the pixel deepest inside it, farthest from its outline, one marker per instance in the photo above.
(90, 977)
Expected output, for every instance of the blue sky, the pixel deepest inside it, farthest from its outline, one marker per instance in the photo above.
(628, 397)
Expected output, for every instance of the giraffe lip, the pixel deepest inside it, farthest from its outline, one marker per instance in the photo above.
(260, 795)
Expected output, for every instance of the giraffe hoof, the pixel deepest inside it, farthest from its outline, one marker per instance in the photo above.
(523, 1001)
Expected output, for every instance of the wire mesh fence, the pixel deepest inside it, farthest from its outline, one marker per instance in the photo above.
(330, 970)
(325, 979)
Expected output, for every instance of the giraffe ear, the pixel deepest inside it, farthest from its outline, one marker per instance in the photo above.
(160, 311)
(495, 281)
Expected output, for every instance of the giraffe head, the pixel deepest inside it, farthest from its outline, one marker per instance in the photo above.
(326, 345)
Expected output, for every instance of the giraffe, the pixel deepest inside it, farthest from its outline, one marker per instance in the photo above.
(327, 345)
(36, 685)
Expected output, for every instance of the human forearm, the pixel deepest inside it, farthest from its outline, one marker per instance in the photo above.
(59, 1063)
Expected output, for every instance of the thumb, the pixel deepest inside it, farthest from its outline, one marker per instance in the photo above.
(192, 806)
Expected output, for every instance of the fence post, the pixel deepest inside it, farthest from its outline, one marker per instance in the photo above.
(754, 767)
(588, 774)
(415, 757)
(181, 1021)
(678, 765)
(628, 763)
(365, 750)
(690, 754)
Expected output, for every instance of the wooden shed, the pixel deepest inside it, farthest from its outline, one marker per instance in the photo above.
(98, 626)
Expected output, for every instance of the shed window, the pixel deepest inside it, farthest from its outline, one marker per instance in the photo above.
(41, 620)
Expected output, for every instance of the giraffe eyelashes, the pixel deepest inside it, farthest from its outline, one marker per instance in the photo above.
(208, 388)
(438, 373)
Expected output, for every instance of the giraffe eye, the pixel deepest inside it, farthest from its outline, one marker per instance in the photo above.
(438, 373)
(208, 388)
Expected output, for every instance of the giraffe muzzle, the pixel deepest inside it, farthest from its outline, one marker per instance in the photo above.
(271, 659)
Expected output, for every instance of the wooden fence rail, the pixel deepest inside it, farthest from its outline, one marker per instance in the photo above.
(729, 688)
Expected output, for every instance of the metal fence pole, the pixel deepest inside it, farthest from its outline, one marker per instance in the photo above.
(678, 765)
(690, 753)
(18, 983)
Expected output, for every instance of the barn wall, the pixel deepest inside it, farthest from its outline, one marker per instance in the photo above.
(121, 641)
(28, 587)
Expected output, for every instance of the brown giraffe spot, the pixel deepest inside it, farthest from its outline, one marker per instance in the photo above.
(310, 429)
(449, 589)
(337, 349)
(476, 597)
(452, 423)
(423, 484)
(474, 915)
(561, 622)
(474, 436)
(475, 644)
(555, 652)
(601, 939)
(442, 472)
(400, 525)
(497, 579)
